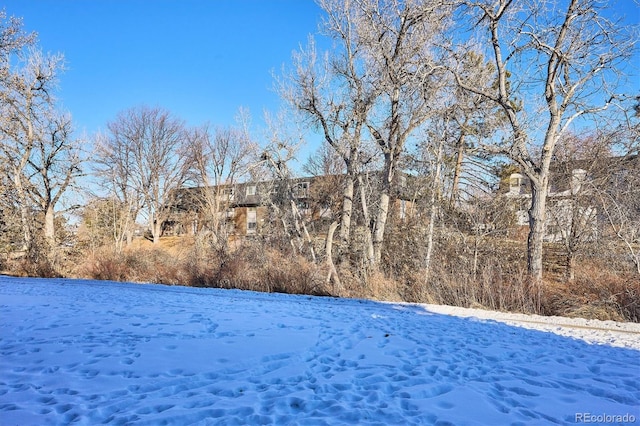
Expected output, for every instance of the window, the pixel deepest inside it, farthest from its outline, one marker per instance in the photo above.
(402, 181)
(251, 190)
(252, 220)
(303, 207)
(301, 190)
(578, 178)
(228, 194)
(516, 182)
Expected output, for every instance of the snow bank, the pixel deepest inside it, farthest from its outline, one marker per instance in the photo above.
(621, 334)
(93, 352)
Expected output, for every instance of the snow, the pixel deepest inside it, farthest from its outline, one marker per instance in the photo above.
(93, 352)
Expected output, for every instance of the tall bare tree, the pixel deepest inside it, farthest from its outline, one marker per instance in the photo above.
(284, 192)
(219, 159)
(27, 110)
(143, 161)
(582, 168)
(555, 61)
(619, 198)
(400, 39)
(620, 206)
(52, 169)
(114, 169)
(375, 85)
(335, 94)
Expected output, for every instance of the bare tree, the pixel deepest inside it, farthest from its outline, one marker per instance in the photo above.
(582, 167)
(436, 187)
(219, 160)
(27, 82)
(283, 198)
(618, 198)
(324, 162)
(399, 40)
(621, 209)
(53, 167)
(325, 201)
(114, 169)
(12, 40)
(555, 62)
(376, 84)
(10, 226)
(142, 161)
(101, 224)
(335, 94)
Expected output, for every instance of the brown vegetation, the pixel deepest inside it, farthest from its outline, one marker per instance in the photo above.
(599, 291)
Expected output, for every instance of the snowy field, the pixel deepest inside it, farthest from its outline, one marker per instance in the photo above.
(90, 352)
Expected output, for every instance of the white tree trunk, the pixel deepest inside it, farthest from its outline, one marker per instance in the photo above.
(347, 210)
(380, 225)
(333, 273)
(49, 226)
(535, 240)
(365, 214)
(435, 190)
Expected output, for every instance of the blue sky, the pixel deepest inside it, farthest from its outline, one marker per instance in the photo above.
(200, 59)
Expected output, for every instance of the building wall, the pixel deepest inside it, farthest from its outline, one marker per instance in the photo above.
(318, 199)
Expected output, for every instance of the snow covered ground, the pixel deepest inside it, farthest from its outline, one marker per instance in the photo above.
(95, 352)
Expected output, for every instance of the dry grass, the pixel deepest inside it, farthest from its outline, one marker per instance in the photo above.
(143, 265)
(496, 280)
(250, 267)
(595, 293)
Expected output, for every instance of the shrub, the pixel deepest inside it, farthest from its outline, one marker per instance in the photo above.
(488, 273)
(595, 293)
(142, 265)
(292, 275)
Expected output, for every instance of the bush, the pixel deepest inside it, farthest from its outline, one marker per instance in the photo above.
(142, 265)
(254, 267)
(36, 263)
(292, 275)
(595, 293)
(488, 273)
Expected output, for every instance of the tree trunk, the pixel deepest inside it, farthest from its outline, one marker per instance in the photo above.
(535, 239)
(347, 209)
(383, 210)
(25, 217)
(333, 274)
(476, 246)
(455, 187)
(434, 199)
(156, 230)
(367, 220)
(49, 226)
(380, 225)
(430, 232)
(571, 266)
(24, 212)
(301, 230)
